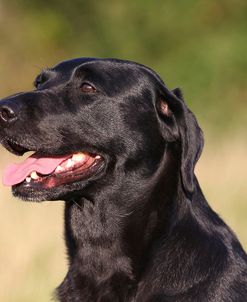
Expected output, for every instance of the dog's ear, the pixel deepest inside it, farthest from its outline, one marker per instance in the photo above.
(171, 105)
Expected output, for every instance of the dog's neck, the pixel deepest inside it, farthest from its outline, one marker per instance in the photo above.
(122, 221)
(94, 235)
(108, 237)
(99, 259)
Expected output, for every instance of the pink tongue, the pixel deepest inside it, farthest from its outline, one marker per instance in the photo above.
(16, 173)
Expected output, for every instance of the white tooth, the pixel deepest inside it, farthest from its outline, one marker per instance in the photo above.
(69, 163)
(78, 156)
(98, 156)
(59, 169)
(28, 179)
(34, 175)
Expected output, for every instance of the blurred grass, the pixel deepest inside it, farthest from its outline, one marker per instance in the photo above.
(199, 45)
(32, 253)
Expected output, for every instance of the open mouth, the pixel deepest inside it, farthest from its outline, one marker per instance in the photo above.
(45, 172)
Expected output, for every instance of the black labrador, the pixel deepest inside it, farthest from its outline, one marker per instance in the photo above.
(120, 149)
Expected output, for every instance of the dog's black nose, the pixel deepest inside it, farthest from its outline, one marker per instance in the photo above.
(7, 113)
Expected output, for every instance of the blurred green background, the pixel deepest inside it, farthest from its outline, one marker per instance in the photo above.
(198, 45)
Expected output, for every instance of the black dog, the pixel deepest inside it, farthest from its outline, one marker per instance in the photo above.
(120, 149)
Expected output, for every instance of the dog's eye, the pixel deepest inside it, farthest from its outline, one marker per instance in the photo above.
(87, 88)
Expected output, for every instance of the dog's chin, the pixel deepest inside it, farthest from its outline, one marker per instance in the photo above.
(29, 193)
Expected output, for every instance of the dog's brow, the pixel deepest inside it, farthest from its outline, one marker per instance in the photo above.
(46, 72)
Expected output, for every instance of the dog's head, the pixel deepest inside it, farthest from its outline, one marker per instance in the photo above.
(93, 122)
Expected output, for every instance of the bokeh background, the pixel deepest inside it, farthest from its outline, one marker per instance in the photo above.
(198, 45)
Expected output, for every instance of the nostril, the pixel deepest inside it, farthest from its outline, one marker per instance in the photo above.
(7, 114)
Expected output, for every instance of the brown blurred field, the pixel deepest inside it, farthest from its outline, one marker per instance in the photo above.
(32, 253)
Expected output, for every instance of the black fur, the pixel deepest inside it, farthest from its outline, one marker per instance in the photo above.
(140, 229)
